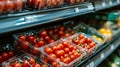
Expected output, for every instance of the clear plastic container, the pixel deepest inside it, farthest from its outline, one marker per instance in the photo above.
(10, 6)
(84, 41)
(67, 55)
(7, 51)
(25, 60)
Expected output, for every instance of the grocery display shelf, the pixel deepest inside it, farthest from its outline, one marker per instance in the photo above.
(16, 23)
(103, 52)
(106, 4)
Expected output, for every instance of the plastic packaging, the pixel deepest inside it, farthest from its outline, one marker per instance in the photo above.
(25, 60)
(66, 53)
(10, 6)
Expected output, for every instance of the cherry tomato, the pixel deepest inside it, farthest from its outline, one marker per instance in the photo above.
(70, 53)
(61, 45)
(25, 45)
(54, 64)
(48, 50)
(67, 50)
(65, 60)
(53, 55)
(43, 33)
(65, 44)
(88, 40)
(31, 61)
(76, 54)
(61, 28)
(72, 57)
(47, 38)
(76, 40)
(54, 48)
(5, 55)
(58, 47)
(66, 55)
(30, 38)
(17, 64)
(62, 52)
(69, 59)
(71, 47)
(18, 5)
(11, 54)
(92, 44)
(25, 63)
(36, 65)
(44, 65)
(81, 36)
(22, 37)
(61, 33)
(58, 53)
(9, 6)
(36, 45)
(41, 43)
(82, 41)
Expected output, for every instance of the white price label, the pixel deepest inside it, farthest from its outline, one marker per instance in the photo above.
(92, 64)
(103, 4)
(112, 47)
(77, 10)
(102, 55)
(110, 2)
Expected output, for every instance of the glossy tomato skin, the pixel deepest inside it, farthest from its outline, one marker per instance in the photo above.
(11, 54)
(53, 2)
(36, 65)
(48, 3)
(25, 45)
(81, 36)
(53, 55)
(25, 63)
(67, 50)
(54, 48)
(48, 50)
(40, 4)
(88, 40)
(17, 64)
(59, 2)
(31, 61)
(22, 37)
(43, 33)
(30, 38)
(5, 55)
(9, 5)
(41, 43)
(18, 5)
(2, 7)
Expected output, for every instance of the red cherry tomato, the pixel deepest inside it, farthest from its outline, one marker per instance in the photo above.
(81, 36)
(36, 65)
(58, 53)
(17, 64)
(22, 37)
(65, 44)
(25, 63)
(48, 50)
(9, 6)
(66, 55)
(25, 45)
(41, 43)
(5, 55)
(11, 54)
(67, 50)
(88, 40)
(2, 7)
(53, 55)
(18, 5)
(54, 48)
(43, 33)
(31, 61)
(30, 38)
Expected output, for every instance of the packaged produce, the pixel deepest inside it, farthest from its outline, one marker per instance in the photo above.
(10, 6)
(24, 60)
(65, 53)
(6, 52)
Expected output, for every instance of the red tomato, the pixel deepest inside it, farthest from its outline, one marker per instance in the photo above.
(54, 64)
(88, 47)
(61, 28)
(69, 59)
(25, 63)
(48, 50)
(30, 38)
(65, 44)
(61, 33)
(36, 65)
(54, 48)
(55, 30)
(5, 55)
(44, 65)
(43, 33)
(62, 52)
(61, 45)
(71, 47)
(16, 64)
(88, 40)
(9, 6)
(70, 53)
(31, 61)
(53, 55)
(53, 2)
(58, 53)
(36, 45)
(72, 57)
(76, 54)
(2, 7)
(25, 45)
(0, 58)
(41, 43)
(18, 5)
(35, 51)
(59, 2)
(81, 36)
(22, 37)
(48, 39)
(92, 44)
(65, 60)
(58, 47)
(66, 55)
(76, 40)
(48, 3)
(67, 50)
(11, 54)
(82, 41)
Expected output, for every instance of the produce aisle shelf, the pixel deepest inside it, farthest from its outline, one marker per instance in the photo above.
(106, 4)
(12, 24)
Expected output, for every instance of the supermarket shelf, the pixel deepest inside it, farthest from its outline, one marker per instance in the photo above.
(16, 23)
(106, 4)
(95, 59)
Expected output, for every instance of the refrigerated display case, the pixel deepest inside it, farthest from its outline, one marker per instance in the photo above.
(58, 33)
